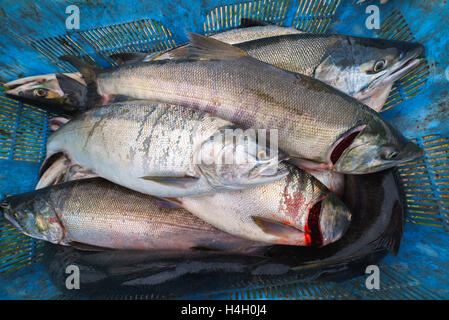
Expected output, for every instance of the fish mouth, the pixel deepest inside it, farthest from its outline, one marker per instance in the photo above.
(13, 222)
(14, 85)
(403, 69)
(411, 60)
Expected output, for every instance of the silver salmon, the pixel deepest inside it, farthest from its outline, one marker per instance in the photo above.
(316, 123)
(95, 213)
(296, 210)
(65, 93)
(163, 150)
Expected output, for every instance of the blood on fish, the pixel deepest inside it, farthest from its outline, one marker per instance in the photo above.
(292, 203)
(53, 220)
(312, 227)
(342, 146)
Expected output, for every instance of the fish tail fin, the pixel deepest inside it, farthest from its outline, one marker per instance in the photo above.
(73, 89)
(391, 238)
(203, 48)
(89, 73)
(52, 169)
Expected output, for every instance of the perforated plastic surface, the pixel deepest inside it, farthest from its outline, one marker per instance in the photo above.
(33, 36)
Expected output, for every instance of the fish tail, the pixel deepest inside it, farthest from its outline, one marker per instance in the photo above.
(89, 73)
(391, 238)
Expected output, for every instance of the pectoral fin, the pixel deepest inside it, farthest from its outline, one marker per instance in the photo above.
(169, 203)
(278, 229)
(179, 182)
(86, 247)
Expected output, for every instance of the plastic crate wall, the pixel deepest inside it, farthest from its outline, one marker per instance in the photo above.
(34, 36)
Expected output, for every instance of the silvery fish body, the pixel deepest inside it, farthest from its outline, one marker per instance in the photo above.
(311, 117)
(296, 210)
(95, 212)
(159, 150)
(364, 68)
(253, 33)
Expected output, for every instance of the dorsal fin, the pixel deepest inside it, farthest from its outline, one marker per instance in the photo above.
(203, 48)
(249, 22)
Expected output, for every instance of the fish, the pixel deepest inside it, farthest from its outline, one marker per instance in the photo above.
(93, 214)
(155, 274)
(378, 204)
(65, 93)
(378, 207)
(60, 93)
(165, 150)
(317, 124)
(59, 168)
(248, 30)
(334, 181)
(364, 68)
(297, 210)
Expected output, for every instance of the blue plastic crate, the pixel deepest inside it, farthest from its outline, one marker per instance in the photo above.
(33, 35)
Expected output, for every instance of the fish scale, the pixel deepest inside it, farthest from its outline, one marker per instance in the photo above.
(249, 93)
(287, 52)
(98, 213)
(312, 118)
(160, 150)
(133, 140)
(287, 201)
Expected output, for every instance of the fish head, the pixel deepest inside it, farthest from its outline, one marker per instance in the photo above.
(333, 220)
(366, 68)
(33, 217)
(371, 148)
(236, 159)
(56, 92)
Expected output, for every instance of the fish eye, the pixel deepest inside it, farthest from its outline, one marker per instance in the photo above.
(261, 155)
(379, 65)
(390, 153)
(40, 92)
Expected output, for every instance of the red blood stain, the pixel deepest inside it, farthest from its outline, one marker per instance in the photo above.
(293, 203)
(342, 146)
(307, 236)
(313, 225)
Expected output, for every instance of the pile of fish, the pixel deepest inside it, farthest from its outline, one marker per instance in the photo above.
(232, 142)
